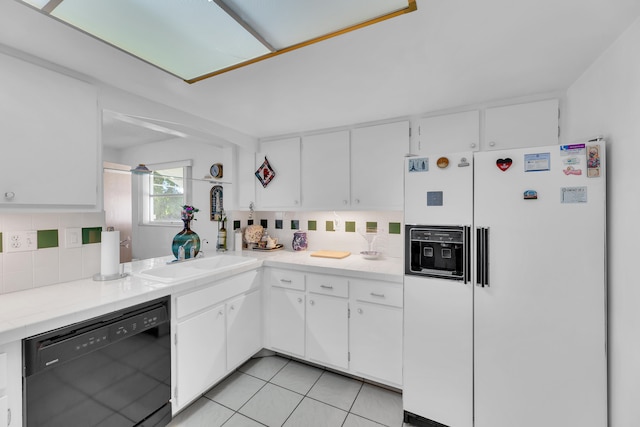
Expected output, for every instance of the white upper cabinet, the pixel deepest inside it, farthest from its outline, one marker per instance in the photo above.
(521, 125)
(50, 132)
(377, 159)
(325, 170)
(284, 189)
(449, 133)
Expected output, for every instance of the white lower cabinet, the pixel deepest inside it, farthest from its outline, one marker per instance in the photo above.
(200, 353)
(376, 342)
(244, 328)
(216, 328)
(376, 330)
(328, 320)
(351, 325)
(11, 384)
(287, 320)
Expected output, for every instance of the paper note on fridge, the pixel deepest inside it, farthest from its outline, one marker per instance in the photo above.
(537, 162)
(573, 195)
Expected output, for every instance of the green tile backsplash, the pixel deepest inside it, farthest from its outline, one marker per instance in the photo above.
(312, 225)
(91, 235)
(0, 242)
(394, 228)
(47, 239)
(350, 226)
(329, 226)
(372, 227)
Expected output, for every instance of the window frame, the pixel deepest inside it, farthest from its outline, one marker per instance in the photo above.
(146, 196)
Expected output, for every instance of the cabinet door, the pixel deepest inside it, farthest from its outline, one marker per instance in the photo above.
(328, 330)
(287, 317)
(200, 353)
(377, 156)
(50, 132)
(244, 333)
(325, 170)
(449, 133)
(376, 342)
(284, 190)
(11, 384)
(523, 125)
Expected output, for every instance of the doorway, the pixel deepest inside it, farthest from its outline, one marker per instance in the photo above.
(117, 204)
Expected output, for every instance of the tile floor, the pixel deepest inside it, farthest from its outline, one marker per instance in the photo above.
(276, 391)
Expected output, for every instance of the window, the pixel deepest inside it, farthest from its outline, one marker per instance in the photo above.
(166, 189)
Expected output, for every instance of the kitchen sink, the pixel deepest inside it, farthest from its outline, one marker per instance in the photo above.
(191, 269)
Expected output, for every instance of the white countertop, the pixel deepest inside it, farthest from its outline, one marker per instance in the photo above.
(34, 311)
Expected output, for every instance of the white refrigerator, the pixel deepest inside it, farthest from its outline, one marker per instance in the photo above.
(523, 342)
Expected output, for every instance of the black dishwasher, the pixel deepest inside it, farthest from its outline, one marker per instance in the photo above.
(113, 370)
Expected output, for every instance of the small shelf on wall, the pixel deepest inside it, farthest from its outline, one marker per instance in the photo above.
(208, 179)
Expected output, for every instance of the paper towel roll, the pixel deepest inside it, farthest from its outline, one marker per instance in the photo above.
(110, 253)
(238, 241)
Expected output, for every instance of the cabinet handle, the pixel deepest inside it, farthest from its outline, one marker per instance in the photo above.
(233, 307)
(9, 195)
(326, 286)
(299, 299)
(9, 416)
(492, 143)
(220, 313)
(311, 302)
(344, 202)
(357, 201)
(473, 145)
(285, 280)
(359, 311)
(295, 202)
(373, 294)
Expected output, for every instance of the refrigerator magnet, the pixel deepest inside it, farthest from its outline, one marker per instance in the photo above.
(593, 161)
(530, 195)
(442, 162)
(504, 164)
(418, 165)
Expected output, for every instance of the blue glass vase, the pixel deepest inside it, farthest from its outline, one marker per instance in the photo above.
(186, 244)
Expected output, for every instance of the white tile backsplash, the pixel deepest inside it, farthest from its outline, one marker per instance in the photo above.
(47, 266)
(391, 245)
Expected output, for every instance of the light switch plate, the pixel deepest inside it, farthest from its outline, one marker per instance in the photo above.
(72, 237)
(20, 241)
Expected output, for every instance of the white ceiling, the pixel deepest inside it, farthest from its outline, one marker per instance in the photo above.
(447, 54)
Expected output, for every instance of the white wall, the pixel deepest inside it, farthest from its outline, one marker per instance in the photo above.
(605, 101)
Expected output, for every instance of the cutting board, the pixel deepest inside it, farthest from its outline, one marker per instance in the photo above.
(331, 254)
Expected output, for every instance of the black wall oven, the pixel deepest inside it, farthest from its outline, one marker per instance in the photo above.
(114, 370)
(438, 251)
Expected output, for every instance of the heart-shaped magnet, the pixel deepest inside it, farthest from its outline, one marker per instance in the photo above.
(504, 164)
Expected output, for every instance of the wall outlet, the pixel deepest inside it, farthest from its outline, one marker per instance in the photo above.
(20, 241)
(72, 237)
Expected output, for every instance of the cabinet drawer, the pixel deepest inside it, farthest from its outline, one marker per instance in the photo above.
(328, 285)
(377, 292)
(286, 279)
(216, 292)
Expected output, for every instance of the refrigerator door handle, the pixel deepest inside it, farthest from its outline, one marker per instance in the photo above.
(466, 261)
(479, 262)
(485, 251)
(482, 257)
